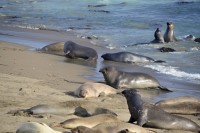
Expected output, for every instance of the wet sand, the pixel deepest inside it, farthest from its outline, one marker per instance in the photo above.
(29, 78)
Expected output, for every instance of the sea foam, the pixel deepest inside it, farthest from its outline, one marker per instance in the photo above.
(169, 70)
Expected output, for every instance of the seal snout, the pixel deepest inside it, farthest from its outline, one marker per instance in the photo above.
(169, 23)
(105, 56)
(102, 70)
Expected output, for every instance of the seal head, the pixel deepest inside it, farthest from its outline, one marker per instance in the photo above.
(158, 37)
(169, 35)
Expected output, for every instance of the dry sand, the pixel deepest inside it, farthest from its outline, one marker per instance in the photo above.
(29, 78)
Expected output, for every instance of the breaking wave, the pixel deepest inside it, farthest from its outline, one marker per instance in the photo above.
(174, 71)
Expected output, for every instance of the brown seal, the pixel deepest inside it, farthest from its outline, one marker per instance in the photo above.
(136, 80)
(54, 47)
(90, 89)
(87, 121)
(180, 105)
(149, 115)
(169, 35)
(111, 127)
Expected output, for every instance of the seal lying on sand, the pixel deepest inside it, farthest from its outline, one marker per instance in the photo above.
(87, 121)
(111, 127)
(90, 89)
(158, 37)
(180, 105)
(149, 115)
(128, 57)
(169, 35)
(49, 109)
(86, 112)
(34, 127)
(54, 47)
(73, 50)
(120, 79)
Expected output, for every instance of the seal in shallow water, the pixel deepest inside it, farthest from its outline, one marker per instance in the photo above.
(128, 57)
(180, 105)
(149, 115)
(136, 80)
(158, 37)
(169, 35)
(73, 50)
(90, 89)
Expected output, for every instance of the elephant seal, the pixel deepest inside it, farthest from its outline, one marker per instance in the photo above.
(158, 37)
(180, 105)
(54, 47)
(147, 114)
(169, 35)
(34, 127)
(189, 38)
(86, 112)
(87, 121)
(90, 89)
(73, 50)
(128, 57)
(111, 127)
(136, 80)
(49, 109)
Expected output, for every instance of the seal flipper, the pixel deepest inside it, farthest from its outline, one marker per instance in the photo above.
(142, 120)
(164, 89)
(131, 120)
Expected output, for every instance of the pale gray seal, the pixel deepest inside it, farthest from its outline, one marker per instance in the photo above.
(87, 121)
(34, 127)
(158, 37)
(136, 80)
(73, 50)
(169, 35)
(147, 114)
(49, 109)
(128, 57)
(180, 105)
(90, 89)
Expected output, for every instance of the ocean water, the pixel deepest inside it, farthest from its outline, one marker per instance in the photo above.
(119, 24)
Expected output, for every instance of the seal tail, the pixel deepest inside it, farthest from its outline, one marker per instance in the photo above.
(159, 61)
(164, 89)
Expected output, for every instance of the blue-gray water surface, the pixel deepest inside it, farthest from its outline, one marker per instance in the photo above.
(119, 23)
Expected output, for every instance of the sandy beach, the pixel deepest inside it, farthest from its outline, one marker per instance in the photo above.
(29, 78)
